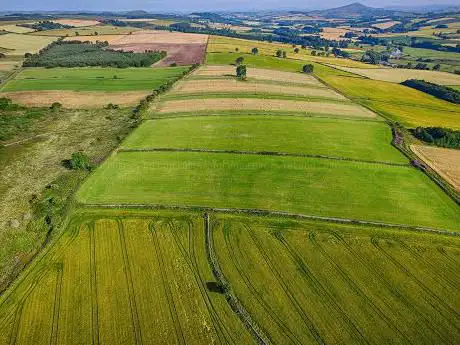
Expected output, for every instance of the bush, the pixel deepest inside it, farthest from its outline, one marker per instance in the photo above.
(307, 68)
(439, 91)
(56, 106)
(79, 161)
(255, 51)
(239, 60)
(7, 104)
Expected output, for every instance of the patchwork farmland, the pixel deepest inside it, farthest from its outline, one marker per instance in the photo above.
(280, 208)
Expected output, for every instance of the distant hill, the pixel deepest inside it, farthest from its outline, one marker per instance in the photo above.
(357, 10)
(427, 8)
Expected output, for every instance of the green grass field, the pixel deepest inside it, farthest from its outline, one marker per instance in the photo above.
(308, 283)
(142, 277)
(92, 79)
(298, 135)
(117, 279)
(88, 31)
(320, 187)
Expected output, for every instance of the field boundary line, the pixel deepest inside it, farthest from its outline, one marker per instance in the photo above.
(57, 304)
(93, 285)
(250, 112)
(261, 153)
(232, 300)
(260, 212)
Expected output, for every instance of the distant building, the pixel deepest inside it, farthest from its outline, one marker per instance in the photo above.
(396, 54)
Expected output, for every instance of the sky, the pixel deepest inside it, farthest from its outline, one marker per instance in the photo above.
(198, 5)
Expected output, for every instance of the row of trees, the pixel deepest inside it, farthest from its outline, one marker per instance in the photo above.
(439, 136)
(46, 25)
(81, 54)
(439, 91)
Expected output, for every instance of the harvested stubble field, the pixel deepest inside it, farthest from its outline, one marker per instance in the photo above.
(398, 75)
(138, 279)
(306, 282)
(267, 105)
(76, 99)
(18, 44)
(315, 186)
(446, 162)
(158, 36)
(76, 22)
(199, 87)
(258, 74)
(16, 29)
(365, 140)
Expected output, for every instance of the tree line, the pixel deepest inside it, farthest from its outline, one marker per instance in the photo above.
(438, 136)
(82, 54)
(439, 91)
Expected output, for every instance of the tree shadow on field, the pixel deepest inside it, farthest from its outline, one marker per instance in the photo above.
(215, 287)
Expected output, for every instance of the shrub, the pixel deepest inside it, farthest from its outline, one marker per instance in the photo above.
(7, 104)
(56, 106)
(255, 51)
(79, 161)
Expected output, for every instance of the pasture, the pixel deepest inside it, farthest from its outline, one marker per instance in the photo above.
(18, 44)
(398, 75)
(138, 279)
(305, 282)
(446, 162)
(92, 79)
(267, 105)
(313, 186)
(364, 140)
(76, 22)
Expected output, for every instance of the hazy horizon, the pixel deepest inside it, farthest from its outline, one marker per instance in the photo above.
(200, 5)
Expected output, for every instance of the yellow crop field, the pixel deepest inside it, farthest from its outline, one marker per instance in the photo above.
(15, 29)
(18, 44)
(398, 75)
(446, 162)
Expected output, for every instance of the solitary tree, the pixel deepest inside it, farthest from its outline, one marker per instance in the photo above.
(239, 60)
(313, 52)
(237, 49)
(296, 50)
(255, 51)
(279, 53)
(284, 54)
(56, 106)
(241, 72)
(307, 68)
